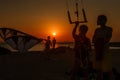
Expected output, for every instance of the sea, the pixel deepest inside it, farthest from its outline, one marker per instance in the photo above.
(41, 46)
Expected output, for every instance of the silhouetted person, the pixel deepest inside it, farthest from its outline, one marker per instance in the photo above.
(101, 39)
(54, 42)
(48, 43)
(82, 48)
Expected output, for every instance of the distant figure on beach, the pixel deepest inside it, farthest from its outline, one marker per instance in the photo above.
(53, 43)
(48, 44)
(82, 48)
(101, 39)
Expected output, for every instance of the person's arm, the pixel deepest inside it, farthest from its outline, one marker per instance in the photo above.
(51, 43)
(94, 37)
(109, 35)
(44, 39)
(74, 29)
(89, 45)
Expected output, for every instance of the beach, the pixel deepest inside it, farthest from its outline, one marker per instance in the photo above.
(36, 65)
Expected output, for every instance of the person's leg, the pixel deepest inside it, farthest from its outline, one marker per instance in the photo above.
(99, 70)
(85, 67)
(75, 69)
(107, 66)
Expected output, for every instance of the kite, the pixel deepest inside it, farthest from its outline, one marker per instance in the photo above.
(77, 13)
(18, 40)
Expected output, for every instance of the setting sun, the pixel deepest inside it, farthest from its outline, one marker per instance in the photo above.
(54, 34)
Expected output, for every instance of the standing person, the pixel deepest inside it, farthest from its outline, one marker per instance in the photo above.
(54, 42)
(82, 48)
(48, 44)
(101, 39)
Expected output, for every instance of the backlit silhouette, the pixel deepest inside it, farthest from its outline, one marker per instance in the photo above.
(48, 44)
(82, 48)
(54, 42)
(101, 41)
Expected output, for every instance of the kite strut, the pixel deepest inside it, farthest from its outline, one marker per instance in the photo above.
(77, 13)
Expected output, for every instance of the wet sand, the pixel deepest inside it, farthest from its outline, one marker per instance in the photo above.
(39, 66)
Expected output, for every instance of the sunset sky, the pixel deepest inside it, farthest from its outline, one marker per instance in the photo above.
(41, 18)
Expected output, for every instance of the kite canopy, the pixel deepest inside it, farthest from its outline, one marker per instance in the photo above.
(18, 40)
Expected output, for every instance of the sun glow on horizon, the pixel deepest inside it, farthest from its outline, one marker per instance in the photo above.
(54, 34)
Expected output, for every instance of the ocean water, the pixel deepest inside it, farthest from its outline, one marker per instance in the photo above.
(71, 45)
(38, 47)
(41, 46)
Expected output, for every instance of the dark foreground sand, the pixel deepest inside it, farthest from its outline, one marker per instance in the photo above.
(37, 66)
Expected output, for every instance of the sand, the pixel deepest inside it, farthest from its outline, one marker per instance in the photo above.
(39, 66)
(116, 58)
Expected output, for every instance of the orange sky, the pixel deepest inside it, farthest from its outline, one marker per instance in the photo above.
(43, 17)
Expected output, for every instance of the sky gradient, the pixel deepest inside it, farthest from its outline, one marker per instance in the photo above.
(41, 18)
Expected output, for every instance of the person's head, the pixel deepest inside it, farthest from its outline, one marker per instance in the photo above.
(83, 29)
(48, 37)
(101, 20)
(53, 37)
